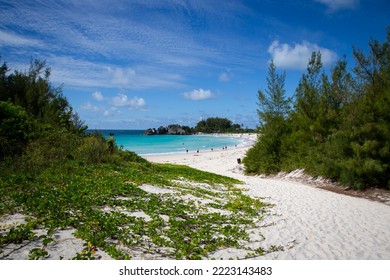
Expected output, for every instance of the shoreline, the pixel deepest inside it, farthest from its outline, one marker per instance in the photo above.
(248, 140)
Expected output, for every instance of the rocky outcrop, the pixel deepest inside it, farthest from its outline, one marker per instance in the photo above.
(172, 129)
(175, 129)
(150, 131)
(162, 130)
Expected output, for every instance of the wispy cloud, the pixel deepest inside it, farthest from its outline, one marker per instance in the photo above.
(298, 55)
(144, 49)
(225, 76)
(89, 107)
(12, 39)
(336, 5)
(73, 72)
(198, 94)
(143, 76)
(103, 29)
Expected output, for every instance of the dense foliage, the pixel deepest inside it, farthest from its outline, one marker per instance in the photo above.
(31, 108)
(337, 125)
(217, 125)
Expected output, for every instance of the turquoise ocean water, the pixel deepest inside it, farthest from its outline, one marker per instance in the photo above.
(136, 141)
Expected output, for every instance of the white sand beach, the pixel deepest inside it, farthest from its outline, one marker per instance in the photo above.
(308, 222)
(305, 222)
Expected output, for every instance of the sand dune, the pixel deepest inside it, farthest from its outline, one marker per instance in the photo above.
(308, 222)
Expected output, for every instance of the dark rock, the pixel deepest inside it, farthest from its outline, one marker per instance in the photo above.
(172, 129)
(175, 129)
(150, 131)
(162, 130)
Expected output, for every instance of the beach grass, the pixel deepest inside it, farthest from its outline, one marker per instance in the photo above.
(195, 212)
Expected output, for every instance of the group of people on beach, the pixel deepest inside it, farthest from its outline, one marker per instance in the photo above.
(212, 149)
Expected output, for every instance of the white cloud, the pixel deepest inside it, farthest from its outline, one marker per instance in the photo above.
(137, 102)
(198, 94)
(97, 95)
(336, 5)
(121, 100)
(297, 56)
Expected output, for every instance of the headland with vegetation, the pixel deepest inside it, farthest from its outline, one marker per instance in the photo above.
(209, 125)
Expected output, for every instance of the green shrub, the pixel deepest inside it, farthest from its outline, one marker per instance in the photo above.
(16, 129)
(94, 149)
(133, 157)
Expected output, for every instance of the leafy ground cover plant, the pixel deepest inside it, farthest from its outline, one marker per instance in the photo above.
(186, 220)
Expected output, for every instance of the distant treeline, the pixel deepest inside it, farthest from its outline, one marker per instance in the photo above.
(210, 125)
(336, 125)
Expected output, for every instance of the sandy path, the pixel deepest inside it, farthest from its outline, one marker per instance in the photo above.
(310, 223)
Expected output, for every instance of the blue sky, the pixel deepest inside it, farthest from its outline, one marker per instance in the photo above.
(139, 64)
